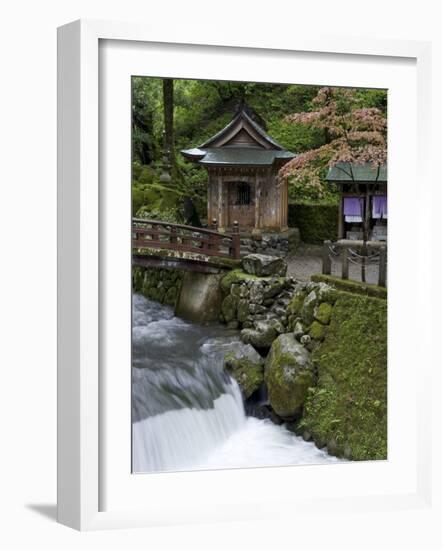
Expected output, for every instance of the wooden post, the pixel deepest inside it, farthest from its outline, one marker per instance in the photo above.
(326, 261)
(155, 237)
(220, 201)
(341, 218)
(213, 244)
(345, 263)
(173, 234)
(257, 207)
(382, 266)
(236, 242)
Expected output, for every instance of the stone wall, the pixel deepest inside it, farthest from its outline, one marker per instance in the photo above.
(318, 353)
(275, 244)
(161, 285)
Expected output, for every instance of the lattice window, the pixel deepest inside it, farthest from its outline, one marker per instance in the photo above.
(243, 193)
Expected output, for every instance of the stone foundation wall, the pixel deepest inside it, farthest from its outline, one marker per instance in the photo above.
(275, 244)
(161, 285)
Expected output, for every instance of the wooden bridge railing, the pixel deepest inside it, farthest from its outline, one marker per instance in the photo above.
(356, 253)
(184, 238)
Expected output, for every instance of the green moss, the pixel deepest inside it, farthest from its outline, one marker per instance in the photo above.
(352, 286)
(137, 278)
(162, 285)
(238, 276)
(171, 296)
(308, 308)
(316, 222)
(228, 308)
(317, 331)
(288, 375)
(348, 407)
(296, 303)
(243, 310)
(249, 374)
(323, 313)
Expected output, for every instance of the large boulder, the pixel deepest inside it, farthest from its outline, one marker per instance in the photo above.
(263, 265)
(288, 375)
(246, 366)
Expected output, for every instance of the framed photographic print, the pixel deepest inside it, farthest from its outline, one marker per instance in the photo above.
(232, 272)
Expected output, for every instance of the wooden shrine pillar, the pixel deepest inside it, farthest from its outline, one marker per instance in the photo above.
(257, 201)
(221, 220)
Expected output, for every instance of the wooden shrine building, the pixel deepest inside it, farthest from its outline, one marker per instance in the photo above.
(363, 200)
(242, 162)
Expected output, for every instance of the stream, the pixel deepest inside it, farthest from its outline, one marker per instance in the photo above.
(187, 413)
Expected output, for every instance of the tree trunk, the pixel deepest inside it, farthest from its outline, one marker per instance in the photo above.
(168, 118)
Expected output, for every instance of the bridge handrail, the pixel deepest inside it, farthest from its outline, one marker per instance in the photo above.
(186, 227)
(209, 240)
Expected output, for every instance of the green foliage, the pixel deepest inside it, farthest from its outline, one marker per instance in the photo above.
(347, 410)
(202, 108)
(352, 286)
(316, 222)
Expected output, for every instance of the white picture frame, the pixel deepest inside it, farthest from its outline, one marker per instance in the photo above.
(81, 397)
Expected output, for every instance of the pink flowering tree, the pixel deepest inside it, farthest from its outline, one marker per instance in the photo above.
(352, 134)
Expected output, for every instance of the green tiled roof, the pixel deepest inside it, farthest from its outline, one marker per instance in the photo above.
(231, 156)
(241, 143)
(345, 171)
(243, 115)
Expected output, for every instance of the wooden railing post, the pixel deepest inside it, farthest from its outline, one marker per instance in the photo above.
(236, 242)
(155, 236)
(345, 263)
(326, 261)
(173, 234)
(382, 278)
(213, 244)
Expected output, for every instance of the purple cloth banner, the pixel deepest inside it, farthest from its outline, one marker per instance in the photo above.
(353, 206)
(380, 206)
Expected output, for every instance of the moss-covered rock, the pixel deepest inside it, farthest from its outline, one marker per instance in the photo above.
(288, 375)
(275, 287)
(308, 308)
(263, 334)
(263, 265)
(243, 310)
(326, 293)
(247, 367)
(348, 407)
(229, 308)
(237, 276)
(317, 331)
(323, 313)
(298, 329)
(351, 286)
(296, 303)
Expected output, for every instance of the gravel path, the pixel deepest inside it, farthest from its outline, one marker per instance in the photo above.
(304, 266)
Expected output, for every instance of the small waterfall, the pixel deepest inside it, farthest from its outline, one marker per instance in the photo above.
(187, 413)
(184, 438)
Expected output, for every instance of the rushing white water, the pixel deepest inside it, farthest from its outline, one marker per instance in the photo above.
(187, 412)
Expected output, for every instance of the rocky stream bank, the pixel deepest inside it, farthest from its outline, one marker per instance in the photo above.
(312, 357)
